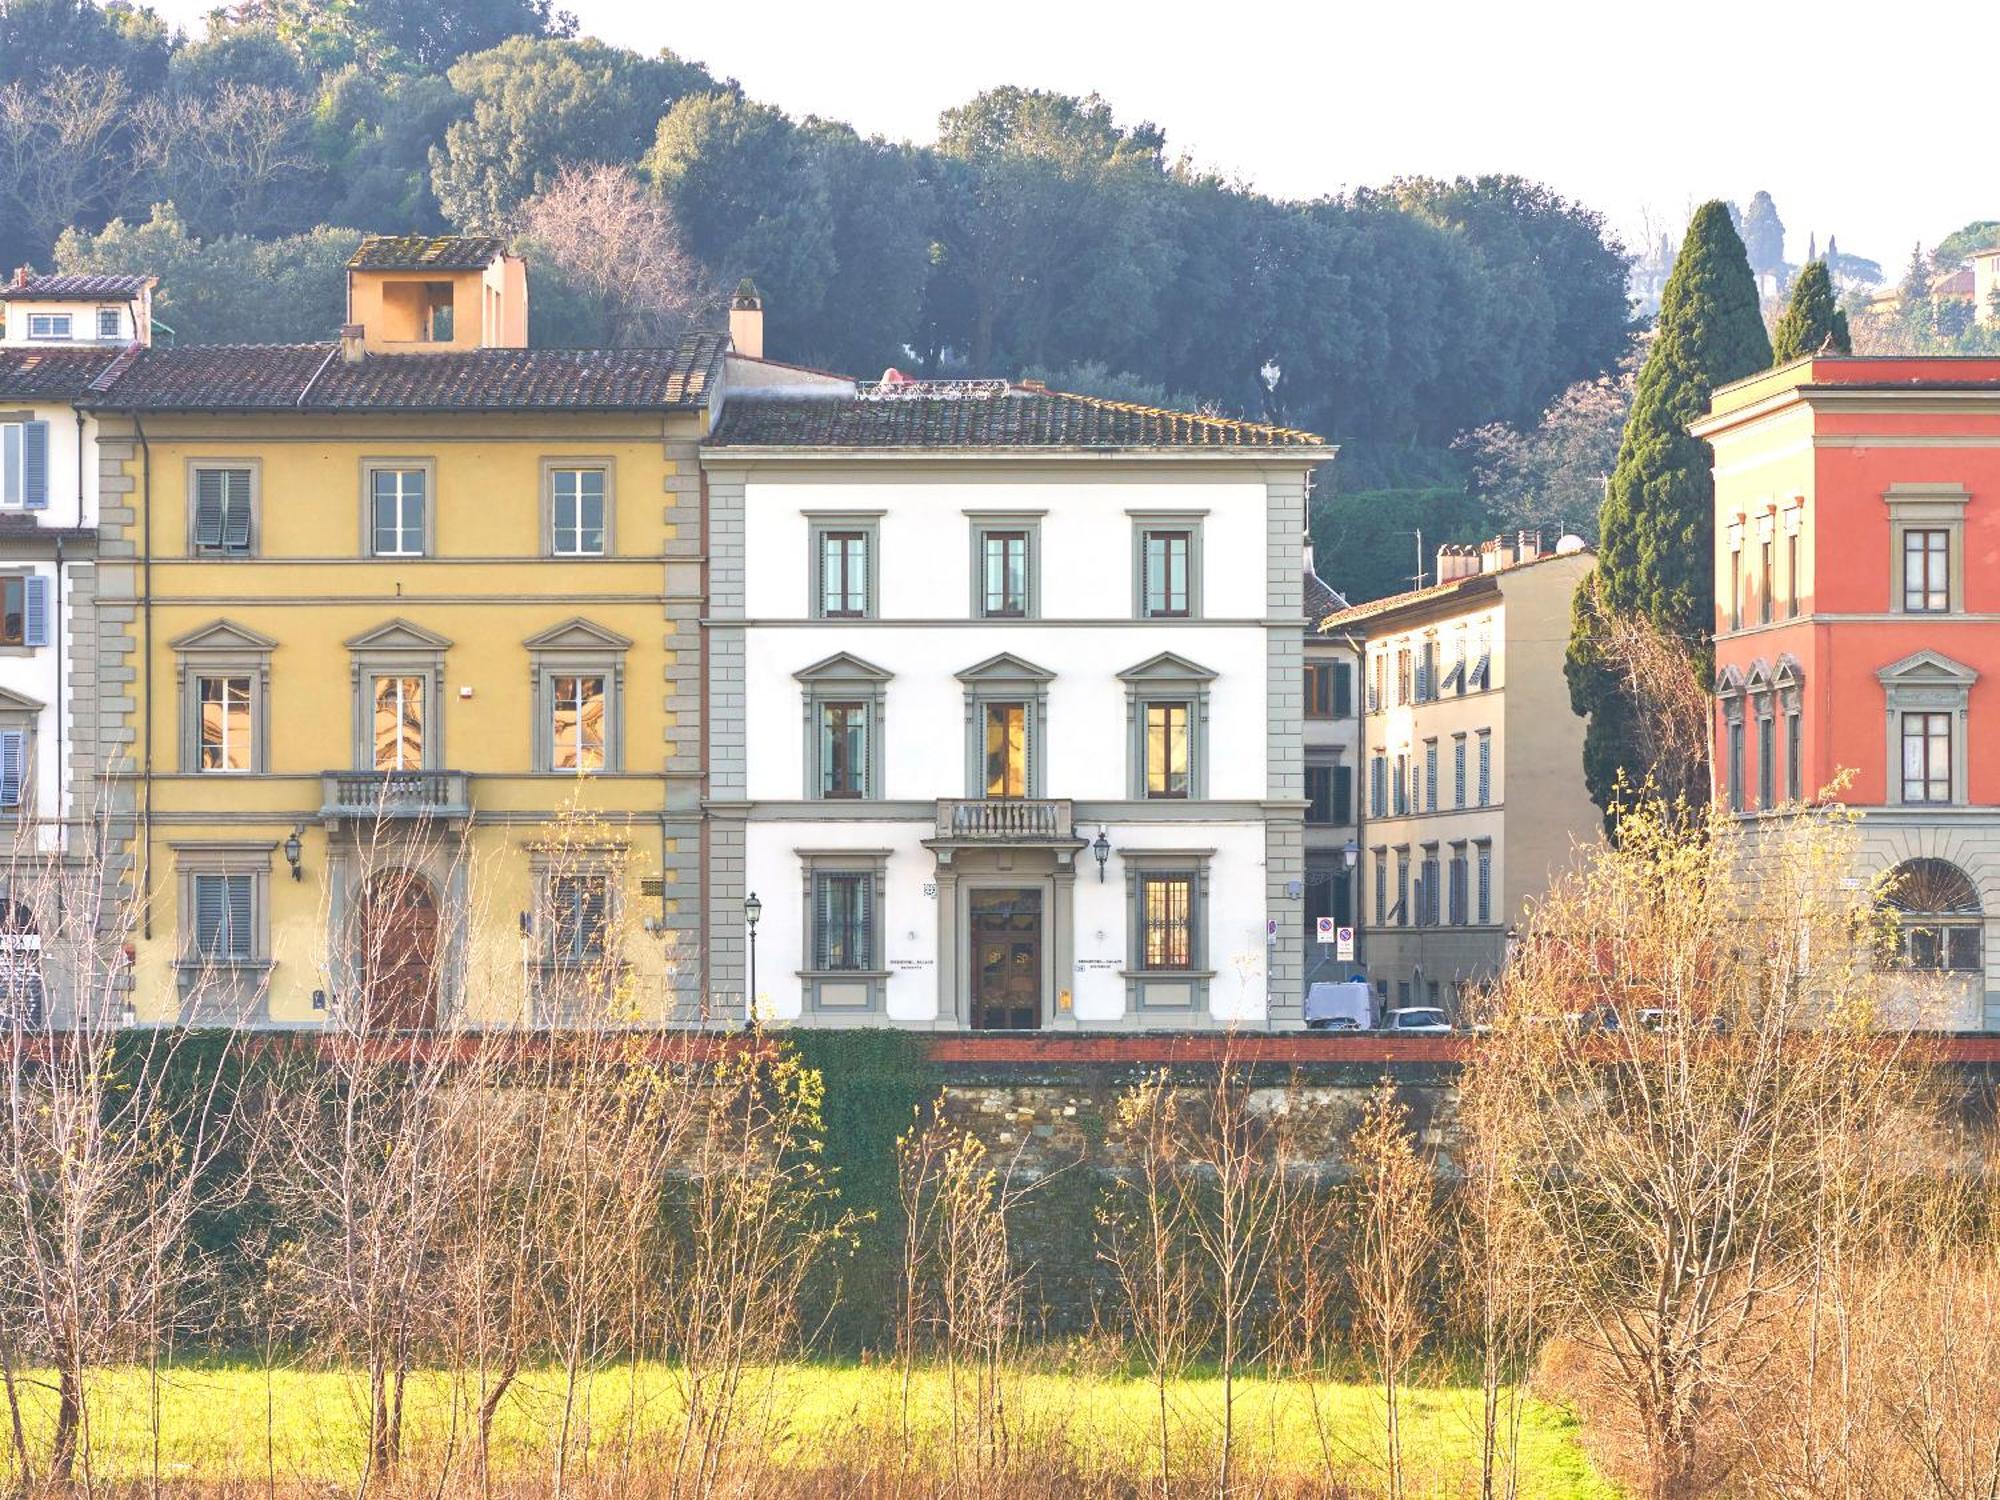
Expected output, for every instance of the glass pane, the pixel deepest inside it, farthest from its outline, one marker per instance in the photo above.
(399, 723)
(1006, 750)
(13, 613)
(578, 727)
(1962, 949)
(1167, 942)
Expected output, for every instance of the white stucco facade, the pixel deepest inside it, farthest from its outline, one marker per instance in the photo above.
(963, 881)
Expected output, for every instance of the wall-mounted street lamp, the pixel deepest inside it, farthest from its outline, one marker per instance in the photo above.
(293, 849)
(752, 910)
(1351, 853)
(1101, 847)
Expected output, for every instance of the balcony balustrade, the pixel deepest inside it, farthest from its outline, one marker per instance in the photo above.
(394, 794)
(996, 820)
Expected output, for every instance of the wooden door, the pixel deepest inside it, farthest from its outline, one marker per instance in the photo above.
(399, 945)
(1006, 936)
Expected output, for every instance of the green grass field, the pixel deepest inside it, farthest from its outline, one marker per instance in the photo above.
(223, 1422)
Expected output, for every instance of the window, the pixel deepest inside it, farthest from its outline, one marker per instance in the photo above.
(1377, 665)
(1427, 888)
(843, 574)
(1427, 671)
(226, 731)
(1455, 678)
(1736, 587)
(1926, 757)
(48, 325)
(1482, 665)
(107, 322)
(579, 918)
(1381, 887)
(1458, 885)
(1167, 921)
(24, 610)
(16, 747)
(1167, 743)
(396, 512)
(1485, 768)
(24, 464)
(579, 511)
(1006, 725)
(1939, 917)
(1458, 770)
(1402, 785)
(843, 933)
(1483, 858)
(1402, 887)
(1926, 571)
(224, 917)
(399, 723)
(1794, 767)
(1792, 571)
(224, 511)
(1736, 765)
(1005, 561)
(579, 676)
(1767, 579)
(1767, 760)
(1378, 786)
(844, 698)
(1006, 740)
(1431, 775)
(577, 722)
(1169, 570)
(1329, 689)
(1319, 793)
(1402, 675)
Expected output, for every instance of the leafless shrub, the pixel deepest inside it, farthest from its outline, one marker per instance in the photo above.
(60, 156)
(618, 245)
(226, 158)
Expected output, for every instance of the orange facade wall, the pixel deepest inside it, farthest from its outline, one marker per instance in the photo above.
(1833, 437)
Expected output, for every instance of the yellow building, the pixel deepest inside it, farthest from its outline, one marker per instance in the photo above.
(413, 710)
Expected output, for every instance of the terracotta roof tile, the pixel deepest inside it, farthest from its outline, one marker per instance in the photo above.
(1018, 418)
(54, 288)
(51, 374)
(313, 377)
(424, 252)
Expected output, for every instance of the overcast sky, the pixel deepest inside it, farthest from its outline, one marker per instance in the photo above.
(1641, 110)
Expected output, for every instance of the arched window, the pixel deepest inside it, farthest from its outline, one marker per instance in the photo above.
(1938, 910)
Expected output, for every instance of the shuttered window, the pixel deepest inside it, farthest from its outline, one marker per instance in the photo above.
(222, 511)
(223, 912)
(24, 610)
(13, 766)
(579, 912)
(24, 465)
(843, 925)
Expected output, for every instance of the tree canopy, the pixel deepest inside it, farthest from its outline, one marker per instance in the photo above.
(1812, 322)
(1656, 528)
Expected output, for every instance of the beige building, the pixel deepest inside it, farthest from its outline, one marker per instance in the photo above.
(1473, 792)
(1332, 761)
(1986, 285)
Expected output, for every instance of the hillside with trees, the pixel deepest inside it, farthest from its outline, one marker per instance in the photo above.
(1036, 231)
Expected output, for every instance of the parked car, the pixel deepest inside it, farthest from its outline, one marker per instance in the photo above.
(1417, 1020)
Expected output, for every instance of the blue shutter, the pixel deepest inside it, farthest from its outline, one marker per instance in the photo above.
(240, 887)
(35, 465)
(236, 529)
(13, 766)
(208, 507)
(38, 610)
(209, 908)
(10, 463)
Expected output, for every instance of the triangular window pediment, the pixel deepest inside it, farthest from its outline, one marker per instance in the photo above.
(1760, 675)
(1167, 667)
(842, 667)
(19, 703)
(1729, 680)
(399, 635)
(577, 635)
(1006, 667)
(223, 635)
(1927, 667)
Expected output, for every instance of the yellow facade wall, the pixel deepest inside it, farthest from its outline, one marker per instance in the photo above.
(486, 587)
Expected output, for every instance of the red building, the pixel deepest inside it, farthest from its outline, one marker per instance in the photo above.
(1857, 558)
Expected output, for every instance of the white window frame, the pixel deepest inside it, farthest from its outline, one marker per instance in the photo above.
(553, 472)
(51, 327)
(424, 499)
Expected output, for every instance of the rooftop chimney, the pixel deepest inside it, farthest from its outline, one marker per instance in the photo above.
(1528, 546)
(746, 320)
(1309, 553)
(350, 343)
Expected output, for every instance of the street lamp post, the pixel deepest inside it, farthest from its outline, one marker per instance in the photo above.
(752, 910)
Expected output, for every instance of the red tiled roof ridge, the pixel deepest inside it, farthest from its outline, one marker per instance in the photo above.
(1234, 424)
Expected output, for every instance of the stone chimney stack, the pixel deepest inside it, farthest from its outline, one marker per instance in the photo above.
(746, 320)
(350, 343)
(1528, 546)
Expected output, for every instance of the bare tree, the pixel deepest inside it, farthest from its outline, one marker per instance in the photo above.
(1395, 1239)
(225, 159)
(110, 1143)
(617, 244)
(1148, 1242)
(61, 162)
(1673, 1149)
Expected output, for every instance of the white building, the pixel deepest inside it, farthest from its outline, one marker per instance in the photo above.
(65, 312)
(1004, 716)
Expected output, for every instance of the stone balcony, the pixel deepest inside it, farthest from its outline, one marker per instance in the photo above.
(1008, 820)
(394, 794)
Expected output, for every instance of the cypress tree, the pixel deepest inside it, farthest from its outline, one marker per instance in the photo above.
(1813, 322)
(1656, 555)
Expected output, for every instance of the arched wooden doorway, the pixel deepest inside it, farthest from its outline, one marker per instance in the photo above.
(399, 950)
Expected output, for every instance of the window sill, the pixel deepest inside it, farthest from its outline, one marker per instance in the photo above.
(223, 965)
(840, 973)
(1166, 973)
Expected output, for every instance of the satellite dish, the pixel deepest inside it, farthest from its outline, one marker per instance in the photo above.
(1570, 544)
